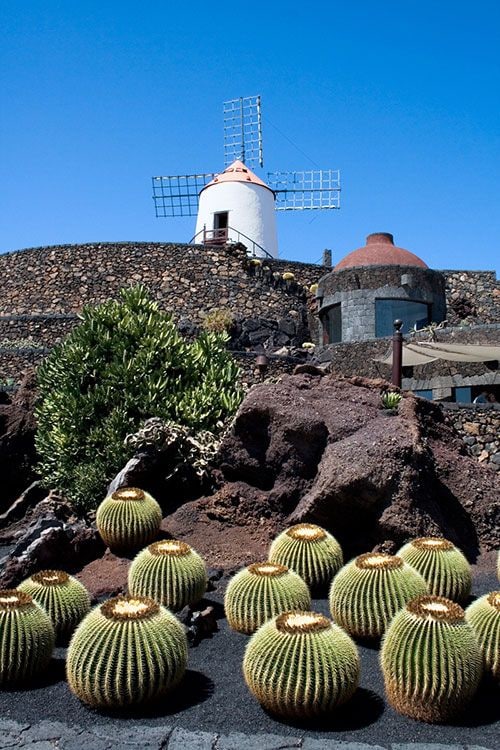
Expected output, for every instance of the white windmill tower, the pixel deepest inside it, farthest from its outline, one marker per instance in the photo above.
(236, 205)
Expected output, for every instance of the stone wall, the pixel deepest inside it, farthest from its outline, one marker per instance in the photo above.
(44, 289)
(472, 296)
(479, 428)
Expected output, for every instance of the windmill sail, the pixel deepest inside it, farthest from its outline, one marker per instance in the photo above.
(177, 195)
(243, 131)
(309, 190)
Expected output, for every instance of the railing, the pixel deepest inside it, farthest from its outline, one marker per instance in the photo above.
(221, 237)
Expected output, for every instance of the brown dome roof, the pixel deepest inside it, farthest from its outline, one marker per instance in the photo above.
(380, 250)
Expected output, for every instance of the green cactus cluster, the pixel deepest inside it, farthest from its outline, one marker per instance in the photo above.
(300, 665)
(484, 617)
(313, 553)
(443, 566)
(366, 594)
(26, 637)
(431, 660)
(128, 519)
(170, 572)
(127, 651)
(65, 599)
(262, 591)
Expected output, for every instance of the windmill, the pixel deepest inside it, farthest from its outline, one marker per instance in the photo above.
(236, 205)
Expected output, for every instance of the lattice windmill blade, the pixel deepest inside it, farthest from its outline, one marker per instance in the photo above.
(177, 195)
(309, 190)
(243, 131)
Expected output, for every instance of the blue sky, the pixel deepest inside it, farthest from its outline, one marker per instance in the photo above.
(402, 97)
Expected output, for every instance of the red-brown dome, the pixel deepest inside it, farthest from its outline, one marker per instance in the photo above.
(380, 250)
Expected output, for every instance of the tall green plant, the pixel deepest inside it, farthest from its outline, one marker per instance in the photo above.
(124, 363)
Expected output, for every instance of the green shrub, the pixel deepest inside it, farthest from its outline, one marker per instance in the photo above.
(218, 320)
(124, 363)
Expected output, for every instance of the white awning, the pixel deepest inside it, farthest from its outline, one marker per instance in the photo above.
(422, 352)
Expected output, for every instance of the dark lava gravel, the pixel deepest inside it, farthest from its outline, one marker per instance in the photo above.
(214, 698)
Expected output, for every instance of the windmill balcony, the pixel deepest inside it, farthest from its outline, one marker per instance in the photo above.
(215, 236)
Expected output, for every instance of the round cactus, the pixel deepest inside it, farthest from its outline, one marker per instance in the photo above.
(484, 617)
(443, 566)
(430, 659)
(260, 592)
(128, 519)
(26, 637)
(366, 594)
(313, 553)
(170, 572)
(65, 599)
(299, 664)
(129, 650)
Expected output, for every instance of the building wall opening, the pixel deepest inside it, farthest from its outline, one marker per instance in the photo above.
(413, 314)
(332, 324)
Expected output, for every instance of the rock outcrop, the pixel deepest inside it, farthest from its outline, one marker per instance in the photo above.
(321, 449)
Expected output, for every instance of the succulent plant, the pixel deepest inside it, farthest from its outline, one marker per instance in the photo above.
(262, 591)
(299, 664)
(430, 659)
(366, 594)
(128, 519)
(391, 399)
(313, 553)
(129, 650)
(484, 617)
(26, 637)
(288, 276)
(443, 566)
(170, 572)
(65, 599)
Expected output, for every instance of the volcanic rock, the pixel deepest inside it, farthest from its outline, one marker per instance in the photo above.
(323, 449)
(17, 441)
(49, 536)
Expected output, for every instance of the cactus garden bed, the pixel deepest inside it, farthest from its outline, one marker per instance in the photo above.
(214, 698)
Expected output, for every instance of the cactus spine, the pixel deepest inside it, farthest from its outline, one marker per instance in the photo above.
(443, 566)
(313, 553)
(127, 651)
(430, 659)
(65, 599)
(366, 594)
(170, 572)
(128, 519)
(299, 664)
(26, 637)
(484, 617)
(261, 591)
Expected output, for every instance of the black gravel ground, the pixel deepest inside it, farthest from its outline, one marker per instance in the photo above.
(214, 698)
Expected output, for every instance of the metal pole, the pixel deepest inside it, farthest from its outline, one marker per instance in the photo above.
(397, 354)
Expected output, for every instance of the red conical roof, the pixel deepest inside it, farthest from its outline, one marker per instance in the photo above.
(237, 172)
(380, 250)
